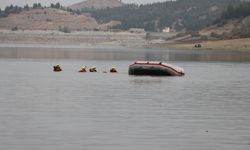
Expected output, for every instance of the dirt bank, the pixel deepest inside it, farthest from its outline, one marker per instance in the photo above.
(80, 37)
(234, 44)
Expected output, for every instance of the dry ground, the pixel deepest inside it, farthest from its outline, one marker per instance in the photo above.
(234, 44)
(47, 19)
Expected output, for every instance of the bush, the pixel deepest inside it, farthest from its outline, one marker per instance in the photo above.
(197, 45)
(64, 29)
(216, 35)
(204, 37)
(242, 32)
(226, 35)
(14, 28)
(195, 34)
(181, 34)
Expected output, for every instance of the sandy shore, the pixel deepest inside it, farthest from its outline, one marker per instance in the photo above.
(51, 37)
(234, 45)
(124, 39)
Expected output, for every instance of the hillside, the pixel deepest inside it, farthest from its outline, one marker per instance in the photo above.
(97, 4)
(180, 15)
(47, 19)
(234, 23)
(225, 30)
(231, 31)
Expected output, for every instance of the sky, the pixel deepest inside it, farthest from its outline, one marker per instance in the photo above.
(4, 3)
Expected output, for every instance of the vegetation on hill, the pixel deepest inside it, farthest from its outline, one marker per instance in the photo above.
(240, 11)
(180, 15)
(41, 18)
(97, 4)
(10, 10)
(241, 27)
(17, 9)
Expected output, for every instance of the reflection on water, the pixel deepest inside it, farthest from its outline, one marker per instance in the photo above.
(99, 53)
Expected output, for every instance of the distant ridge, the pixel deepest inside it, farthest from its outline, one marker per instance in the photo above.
(97, 4)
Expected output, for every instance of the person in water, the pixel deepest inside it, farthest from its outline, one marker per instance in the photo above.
(57, 68)
(113, 70)
(83, 69)
(93, 69)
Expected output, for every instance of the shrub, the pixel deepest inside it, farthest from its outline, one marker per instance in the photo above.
(64, 29)
(216, 35)
(204, 37)
(242, 32)
(181, 34)
(195, 34)
(14, 28)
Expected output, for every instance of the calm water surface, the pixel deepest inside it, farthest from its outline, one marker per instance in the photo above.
(208, 109)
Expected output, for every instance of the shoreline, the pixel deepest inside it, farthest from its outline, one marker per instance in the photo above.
(53, 37)
(224, 45)
(90, 39)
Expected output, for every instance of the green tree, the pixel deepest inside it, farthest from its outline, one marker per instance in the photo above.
(52, 5)
(78, 12)
(35, 5)
(39, 5)
(229, 12)
(7, 10)
(58, 5)
(26, 7)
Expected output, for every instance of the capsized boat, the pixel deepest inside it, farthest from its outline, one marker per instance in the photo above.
(155, 69)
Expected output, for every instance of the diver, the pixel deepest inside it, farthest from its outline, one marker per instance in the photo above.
(57, 68)
(83, 69)
(113, 70)
(93, 69)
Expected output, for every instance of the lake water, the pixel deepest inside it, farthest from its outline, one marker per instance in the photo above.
(207, 109)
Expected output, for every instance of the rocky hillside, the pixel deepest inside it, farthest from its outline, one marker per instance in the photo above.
(97, 4)
(47, 19)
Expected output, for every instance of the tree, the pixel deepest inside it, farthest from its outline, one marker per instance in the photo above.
(7, 10)
(242, 10)
(229, 12)
(52, 5)
(58, 5)
(78, 12)
(39, 5)
(35, 5)
(26, 7)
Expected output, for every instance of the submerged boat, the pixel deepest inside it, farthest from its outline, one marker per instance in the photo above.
(155, 69)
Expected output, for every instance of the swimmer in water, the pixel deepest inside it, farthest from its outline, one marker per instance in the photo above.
(83, 69)
(93, 69)
(113, 70)
(57, 68)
